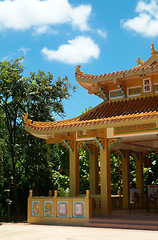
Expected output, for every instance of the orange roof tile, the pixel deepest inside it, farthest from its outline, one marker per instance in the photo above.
(106, 112)
(137, 69)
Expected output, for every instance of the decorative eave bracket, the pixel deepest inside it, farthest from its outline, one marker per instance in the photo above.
(99, 141)
(86, 146)
(122, 89)
(104, 95)
(112, 142)
(69, 145)
(120, 153)
(135, 156)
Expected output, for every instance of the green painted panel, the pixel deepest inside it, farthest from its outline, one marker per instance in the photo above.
(116, 94)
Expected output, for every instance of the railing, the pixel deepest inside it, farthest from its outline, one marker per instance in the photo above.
(116, 203)
(59, 210)
(96, 205)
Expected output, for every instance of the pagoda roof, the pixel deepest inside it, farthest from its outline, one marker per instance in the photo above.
(93, 82)
(107, 114)
(131, 71)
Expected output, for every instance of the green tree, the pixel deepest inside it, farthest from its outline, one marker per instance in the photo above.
(41, 96)
(84, 171)
(151, 170)
(116, 172)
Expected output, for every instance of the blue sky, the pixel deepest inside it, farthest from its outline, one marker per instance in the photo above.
(56, 35)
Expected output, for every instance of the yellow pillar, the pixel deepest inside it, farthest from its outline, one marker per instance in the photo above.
(74, 171)
(29, 206)
(139, 176)
(105, 178)
(93, 170)
(126, 180)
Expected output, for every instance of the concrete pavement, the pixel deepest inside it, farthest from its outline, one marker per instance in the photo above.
(24, 231)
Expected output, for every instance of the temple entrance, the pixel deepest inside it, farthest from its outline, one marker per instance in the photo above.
(140, 177)
(134, 189)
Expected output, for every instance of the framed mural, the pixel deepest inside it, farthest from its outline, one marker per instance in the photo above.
(135, 196)
(152, 192)
(62, 209)
(78, 209)
(48, 209)
(35, 208)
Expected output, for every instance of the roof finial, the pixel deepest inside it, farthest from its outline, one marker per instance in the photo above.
(153, 51)
(78, 71)
(139, 61)
(25, 118)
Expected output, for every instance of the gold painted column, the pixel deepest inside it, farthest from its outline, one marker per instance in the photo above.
(126, 180)
(140, 177)
(105, 178)
(94, 171)
(74, 170)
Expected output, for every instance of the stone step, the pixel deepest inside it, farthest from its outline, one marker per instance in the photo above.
(122, 226)
(125, 222)
(145, 221)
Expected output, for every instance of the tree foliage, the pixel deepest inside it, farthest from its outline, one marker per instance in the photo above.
(25, 160)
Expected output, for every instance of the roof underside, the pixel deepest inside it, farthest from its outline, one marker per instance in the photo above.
(105, 113)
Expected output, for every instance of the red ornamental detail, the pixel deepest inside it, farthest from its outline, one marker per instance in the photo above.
(36, 208)
(78, 209)
(62, 209)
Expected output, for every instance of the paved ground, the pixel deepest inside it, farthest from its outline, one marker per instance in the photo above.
(22, 231)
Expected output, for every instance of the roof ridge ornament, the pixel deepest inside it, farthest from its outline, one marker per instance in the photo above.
(25, 118)
(140, 62)
(153, 51)
(78, 71)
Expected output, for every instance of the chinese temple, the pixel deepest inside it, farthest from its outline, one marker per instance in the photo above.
(126, 122)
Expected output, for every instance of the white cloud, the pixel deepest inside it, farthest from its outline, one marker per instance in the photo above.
(80, 16)
(103, 34)
(78, 50)
(24, 50)
(24, 14)
(44, 29)
(146, 23)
